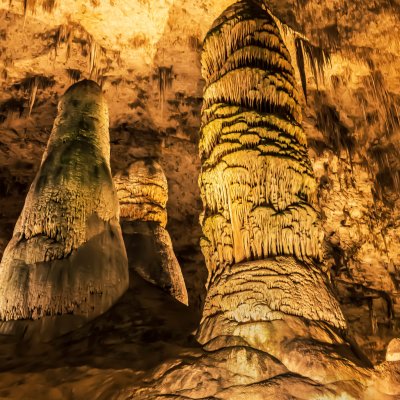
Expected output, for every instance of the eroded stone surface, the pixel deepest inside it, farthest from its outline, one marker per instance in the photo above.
(146, 57)
(393, 350)
(67, 257)
(154, 103)
(258, 195)
(281, 306)
(143, 194)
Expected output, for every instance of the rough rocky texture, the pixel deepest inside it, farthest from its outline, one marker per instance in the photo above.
(256, 180)
(143, 194)
(149, 69)
(146, 57)
(352, 126)
(258, 193)
(66, 260)
(281, 307)
(393, 350)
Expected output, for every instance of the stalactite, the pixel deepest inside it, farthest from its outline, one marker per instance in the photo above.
(384, 151)
(300, 63)
(74, 74)
(28, 4)
(33, 5)
(30, 86)
(307, 55)
(164, 76)
(32, 97)
(67, 255)
(316, 58)
(96, 54)
(338, 135)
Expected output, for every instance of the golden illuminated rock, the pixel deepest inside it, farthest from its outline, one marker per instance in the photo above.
(143, 194)
(393, 350)
(262, 235)
(257, 183)
(268, 297)
(67, 257)
(145, 55)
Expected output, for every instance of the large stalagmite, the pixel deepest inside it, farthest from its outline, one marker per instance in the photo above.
(271, 325)
(143, 195)
(261, 229)
(66, 262)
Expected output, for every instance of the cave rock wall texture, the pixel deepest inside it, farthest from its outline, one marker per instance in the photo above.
(145, 55)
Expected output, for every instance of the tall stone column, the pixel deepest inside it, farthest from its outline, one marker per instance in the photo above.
(261, 229)
(66, 262)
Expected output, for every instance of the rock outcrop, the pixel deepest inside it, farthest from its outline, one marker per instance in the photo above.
(66, 262)
(143, 194)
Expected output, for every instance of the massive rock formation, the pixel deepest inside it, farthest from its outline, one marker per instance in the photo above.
(146, 57)
(271, 326)
(66, 262)
(143, 194)
(257, 183)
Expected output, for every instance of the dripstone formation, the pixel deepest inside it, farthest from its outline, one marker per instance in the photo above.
(261, 230)
(271, 325)
(66, 262)
(143, 195)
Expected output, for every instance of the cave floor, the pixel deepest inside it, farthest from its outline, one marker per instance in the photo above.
(106, 356)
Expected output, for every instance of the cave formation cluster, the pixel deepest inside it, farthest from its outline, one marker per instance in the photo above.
(271, 325)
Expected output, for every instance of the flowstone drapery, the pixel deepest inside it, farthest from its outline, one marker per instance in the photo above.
(143, 193)
(66, 262)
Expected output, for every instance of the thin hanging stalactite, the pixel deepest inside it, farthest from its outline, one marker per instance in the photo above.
(301, 65)
(306, 54)
(31, 85)
(98, 57)
(33, 5)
